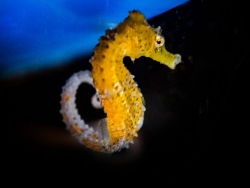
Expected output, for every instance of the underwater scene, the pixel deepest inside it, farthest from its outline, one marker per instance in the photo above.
(123, 89)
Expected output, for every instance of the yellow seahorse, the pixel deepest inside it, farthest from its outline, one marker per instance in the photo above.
(118, 93)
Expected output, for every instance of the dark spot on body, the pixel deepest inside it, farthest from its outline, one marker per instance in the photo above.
(116, 87)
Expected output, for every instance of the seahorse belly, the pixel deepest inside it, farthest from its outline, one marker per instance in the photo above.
(120, 96)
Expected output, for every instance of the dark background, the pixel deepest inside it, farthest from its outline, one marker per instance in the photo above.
(193, 133)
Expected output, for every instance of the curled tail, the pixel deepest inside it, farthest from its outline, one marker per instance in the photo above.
(94, 135)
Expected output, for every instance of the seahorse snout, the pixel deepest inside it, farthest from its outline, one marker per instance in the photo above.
(177, 60)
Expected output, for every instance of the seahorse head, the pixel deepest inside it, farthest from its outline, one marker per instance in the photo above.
(146, 40)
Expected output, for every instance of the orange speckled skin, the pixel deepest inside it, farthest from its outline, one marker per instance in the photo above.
(119, 94)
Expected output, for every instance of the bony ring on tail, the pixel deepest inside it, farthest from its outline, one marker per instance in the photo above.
(116, 89)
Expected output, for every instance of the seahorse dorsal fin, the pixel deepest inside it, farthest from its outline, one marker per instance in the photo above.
(100, 126)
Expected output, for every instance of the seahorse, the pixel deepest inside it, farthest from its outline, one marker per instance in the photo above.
(116, 89)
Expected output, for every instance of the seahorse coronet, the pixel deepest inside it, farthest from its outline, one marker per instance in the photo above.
(119, 94)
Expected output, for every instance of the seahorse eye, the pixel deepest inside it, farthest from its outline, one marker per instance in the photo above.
(159, 41)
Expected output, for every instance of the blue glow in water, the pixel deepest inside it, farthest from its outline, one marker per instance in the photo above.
(37, 34)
